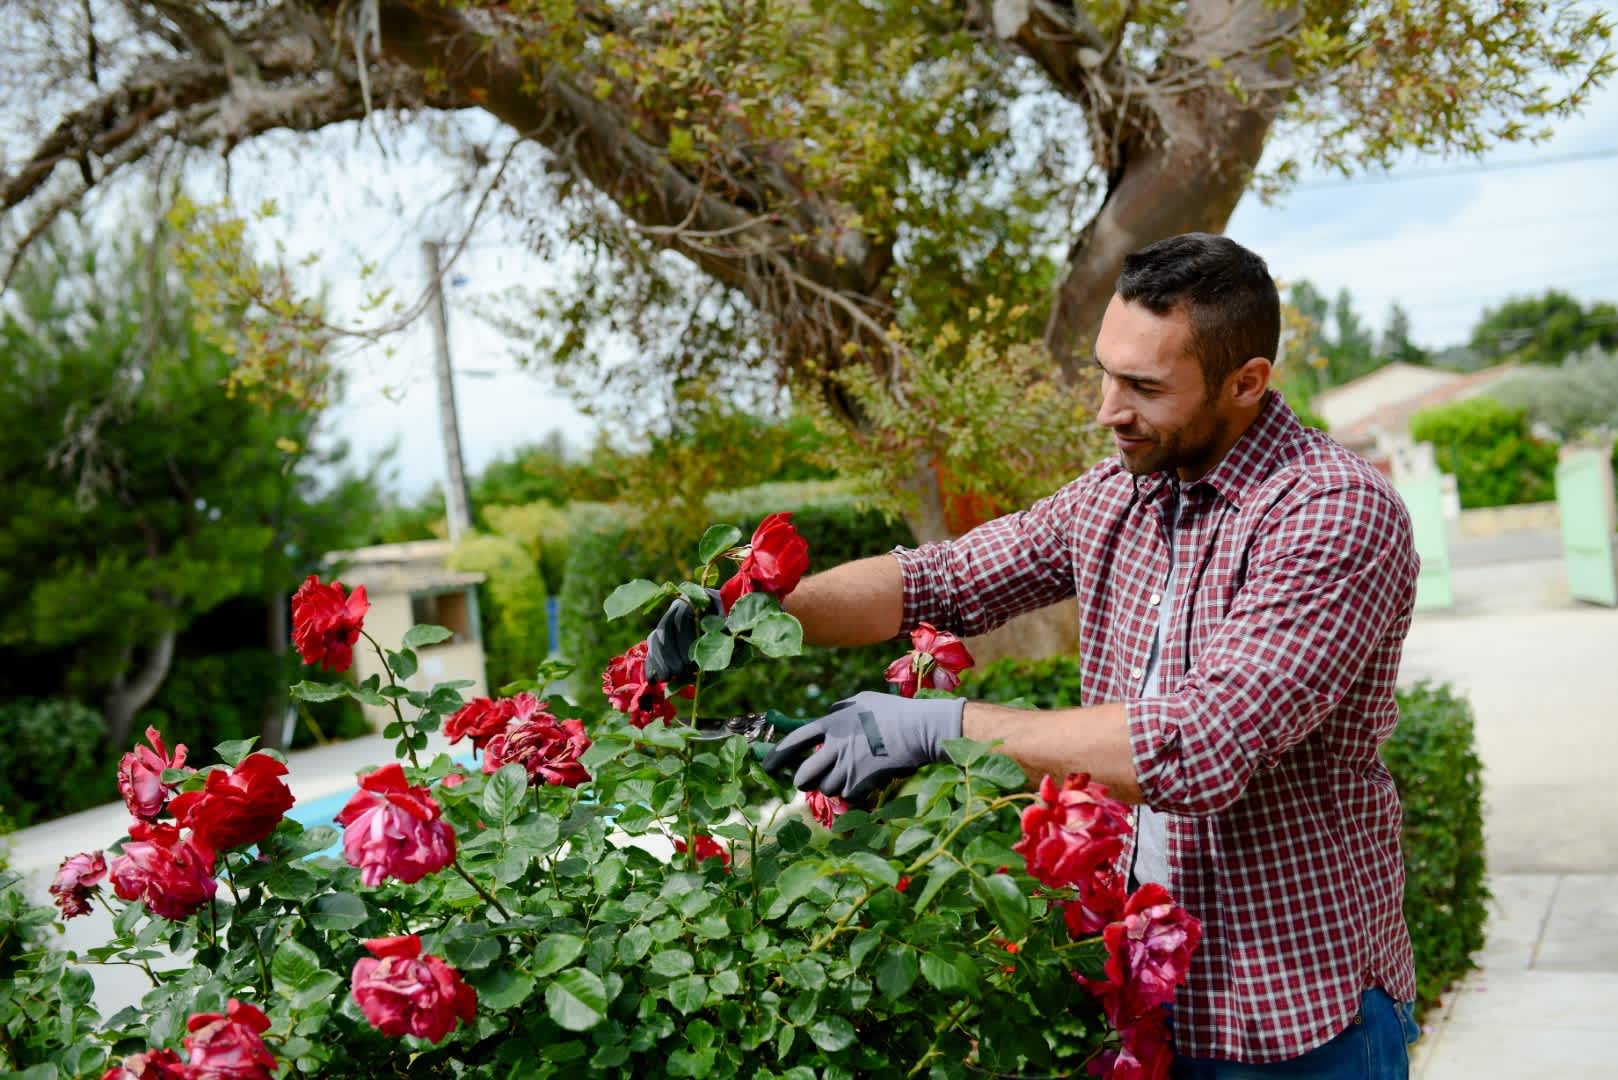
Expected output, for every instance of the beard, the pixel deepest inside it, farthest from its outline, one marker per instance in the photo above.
(1188, 448)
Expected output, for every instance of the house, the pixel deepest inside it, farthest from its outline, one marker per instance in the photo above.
(409, 584)
(1371, 415)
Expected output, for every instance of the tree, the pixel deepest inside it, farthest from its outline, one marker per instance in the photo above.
(1577, 399)
(140, 494)
(1395, 345)
(1543, 330)
(829, 171)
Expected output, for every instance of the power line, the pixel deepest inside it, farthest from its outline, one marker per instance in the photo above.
(1465, 170)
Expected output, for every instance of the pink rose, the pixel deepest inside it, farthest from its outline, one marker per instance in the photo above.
(481, 719)
(236, 807)
(140, 776)
(775, 561)
(1148, 953)
(391, 829)
(1071, 831)
(173, 877)
(1144, 1055)
(402, 992)
(707, 848)
(228, 1047)
(935, 662)
(624, 683)
(825, 809)
(76, 880)
(1100, 902)
(325, 624)
(546, 748)
(151, 1065)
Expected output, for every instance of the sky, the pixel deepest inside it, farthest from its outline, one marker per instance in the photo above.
(1446, 239)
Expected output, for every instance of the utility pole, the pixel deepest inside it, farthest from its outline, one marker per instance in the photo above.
(455, 501)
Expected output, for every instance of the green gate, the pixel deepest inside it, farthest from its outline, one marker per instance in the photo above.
(1585, 500)
(1424, 498)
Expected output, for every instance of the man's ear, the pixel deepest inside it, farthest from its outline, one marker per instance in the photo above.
(1249, 382)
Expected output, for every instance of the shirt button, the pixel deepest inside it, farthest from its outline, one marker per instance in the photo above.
(1156, 599)
(1137, 673)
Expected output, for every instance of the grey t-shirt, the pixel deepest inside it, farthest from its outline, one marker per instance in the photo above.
(1151, 826)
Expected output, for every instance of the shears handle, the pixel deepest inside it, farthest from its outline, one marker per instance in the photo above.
(779, 724)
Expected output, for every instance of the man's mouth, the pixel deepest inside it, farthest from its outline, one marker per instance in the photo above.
(1126, 442)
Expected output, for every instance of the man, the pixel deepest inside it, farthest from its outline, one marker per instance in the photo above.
(1244, 587)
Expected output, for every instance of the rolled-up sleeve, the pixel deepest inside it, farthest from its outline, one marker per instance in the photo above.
(1323, 586)
(1008, 566)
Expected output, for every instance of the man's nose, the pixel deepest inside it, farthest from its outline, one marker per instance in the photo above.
(1114, 413)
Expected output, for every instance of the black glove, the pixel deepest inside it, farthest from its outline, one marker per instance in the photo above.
(869, 739)
(668, 647)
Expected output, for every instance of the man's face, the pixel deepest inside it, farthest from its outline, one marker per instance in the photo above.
(1153, 397)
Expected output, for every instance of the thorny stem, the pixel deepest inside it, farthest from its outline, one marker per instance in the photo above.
(455, 864)
(258, 950)
(393, 702)
(944, 1025)
(142, 964)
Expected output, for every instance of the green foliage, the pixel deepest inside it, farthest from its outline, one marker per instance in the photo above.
(1488, 448)
(1543, 329)
(24, 927)
(1434, 761)
(1051, 682)
(51, 760)
(1578, 398)
(542, 529)
(606, 552)
(511, 601)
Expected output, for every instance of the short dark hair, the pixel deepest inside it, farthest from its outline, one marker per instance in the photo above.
(1226, 290)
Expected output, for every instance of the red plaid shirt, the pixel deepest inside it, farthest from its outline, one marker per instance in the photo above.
(1295, 581)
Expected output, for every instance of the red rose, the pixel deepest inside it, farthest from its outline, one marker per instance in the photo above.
(402, 992)
(707, 848)
(76, 879)
(173, 877)
(624, 683)
(825, 809)
(391, 829)
(238, 807)
(1071, 831)
(1148, 953)
(150, 1065)
(546, 748)
(935, 662)
(325, 625)
(1145, 1054)
(776, 560)
(228, 1047)
(1101, 901)
(140, 776)
(481, 718)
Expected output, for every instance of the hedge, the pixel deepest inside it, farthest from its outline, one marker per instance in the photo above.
(1496, 460)
(51, 760)
(603, 553)
(511, 604)
(1435, 766)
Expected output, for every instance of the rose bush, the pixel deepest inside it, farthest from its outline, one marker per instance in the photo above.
(617, 894)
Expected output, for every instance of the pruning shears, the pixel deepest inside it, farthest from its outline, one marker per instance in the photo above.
(761, 730)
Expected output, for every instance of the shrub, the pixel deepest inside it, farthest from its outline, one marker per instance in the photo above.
(1487, 446)
(45, 743)
(1048, 683)
(604, 552)
(516, 634)
(1435, 764)
(541, 528)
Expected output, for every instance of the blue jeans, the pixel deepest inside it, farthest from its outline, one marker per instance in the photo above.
(1372, 1047)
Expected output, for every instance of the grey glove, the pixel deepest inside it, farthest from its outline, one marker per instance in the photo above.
(668, 647)
(869, 739)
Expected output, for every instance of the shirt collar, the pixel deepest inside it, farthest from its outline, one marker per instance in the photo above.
(1248, 463)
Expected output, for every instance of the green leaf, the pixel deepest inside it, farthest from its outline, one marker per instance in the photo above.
(426, 634)
(231, 753)
(896, 971)
(504, 988)
(319, 691)
(555, 953)
(713, 651)
(965, 752)
(631, 596)
(798, 879)
(688, 993)
(793, 835)
(1005, 902)
(777, 634)
(294, 965)
(942, 872)
(337, 911)
(503, 793)
(318, 988)
(749, 610)
(942, 972)
(365, 695)
(874, 867)
(634, 944)
(672, 962)
(911, 838)
(716, 541)
(576, 999)
(832, 1033)
(1000, 771)
(402, 662)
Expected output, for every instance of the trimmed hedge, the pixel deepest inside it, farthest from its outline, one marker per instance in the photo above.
(1434, 762)
(603, 553)
(1496, 460)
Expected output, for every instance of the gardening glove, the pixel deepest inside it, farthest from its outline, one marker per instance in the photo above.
(867, 740)
(668, 647)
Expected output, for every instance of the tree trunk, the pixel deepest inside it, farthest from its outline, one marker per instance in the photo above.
(273, 725)
(128, 696)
